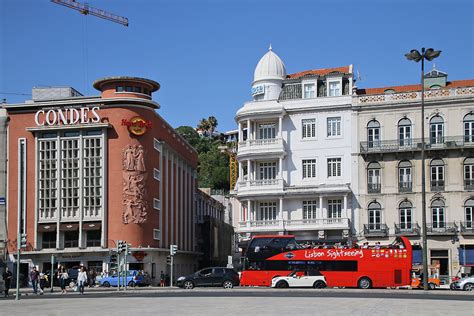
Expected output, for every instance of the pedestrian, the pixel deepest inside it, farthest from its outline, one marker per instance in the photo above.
(43, 279)
(81, 280)
(162, 279)
(63, 276)
(34, 274)
(93, 276)
(7, 279)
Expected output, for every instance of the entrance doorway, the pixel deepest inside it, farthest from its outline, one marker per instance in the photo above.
(440, 262)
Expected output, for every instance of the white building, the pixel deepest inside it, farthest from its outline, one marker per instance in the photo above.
(294, 154)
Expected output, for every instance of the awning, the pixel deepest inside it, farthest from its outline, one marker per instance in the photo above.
(46, 227)
(466, 256)
(91, 226)
(69, 226)
(417, 256)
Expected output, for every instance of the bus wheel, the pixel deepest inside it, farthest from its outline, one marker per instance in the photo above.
(319, 284)
(364, 283)
(431, 286)
(282, 284)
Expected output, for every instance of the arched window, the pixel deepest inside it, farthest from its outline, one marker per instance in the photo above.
(404, 176)
(469, 212)
(469, 128)
(437, 174)
(373, 134)
(406, 216)
(469, 174)
(436, 130)
(375, 216)
(373, 177)
(438, 216)
(404, 132)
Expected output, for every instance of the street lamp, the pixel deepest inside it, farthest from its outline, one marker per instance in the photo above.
(429, 55)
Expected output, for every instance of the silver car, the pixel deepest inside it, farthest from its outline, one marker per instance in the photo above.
(466, 284)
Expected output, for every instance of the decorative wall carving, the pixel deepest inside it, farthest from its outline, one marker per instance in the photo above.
(134, 192)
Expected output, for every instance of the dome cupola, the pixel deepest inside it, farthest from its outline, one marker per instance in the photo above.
(270, 67)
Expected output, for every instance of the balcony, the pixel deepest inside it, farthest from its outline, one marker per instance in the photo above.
(294, 225)
(437, 185)
(468, 184)
(441, 228)
(373, 187)
(467, 228)
(407, 229)
(376, 230)
(261, 147)
(263, 186)
(261, 226)
(405, 186)
(415, 144)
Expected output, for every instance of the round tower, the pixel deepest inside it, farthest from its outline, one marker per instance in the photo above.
(268, 77)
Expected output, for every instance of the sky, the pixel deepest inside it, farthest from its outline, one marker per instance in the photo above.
(204, 52)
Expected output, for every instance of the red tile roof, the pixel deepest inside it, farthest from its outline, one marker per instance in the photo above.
(415, 87)
(320, 72)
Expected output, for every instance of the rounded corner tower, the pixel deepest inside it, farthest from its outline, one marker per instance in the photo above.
(268, 77)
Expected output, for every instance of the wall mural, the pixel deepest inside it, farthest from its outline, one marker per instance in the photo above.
(134, 178)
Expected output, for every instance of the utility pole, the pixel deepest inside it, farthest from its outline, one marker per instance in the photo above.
(119, 243)
(173, 250)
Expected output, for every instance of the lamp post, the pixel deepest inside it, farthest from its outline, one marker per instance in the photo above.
(428, 54)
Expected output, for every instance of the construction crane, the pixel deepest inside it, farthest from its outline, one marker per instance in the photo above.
(86, 9)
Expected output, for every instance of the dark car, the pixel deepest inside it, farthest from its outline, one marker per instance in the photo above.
(71, 282)
(225, 277)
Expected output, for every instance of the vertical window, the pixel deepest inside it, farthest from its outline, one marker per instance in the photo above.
(309, 90)
(119, 89)
(268, 211)
(309, 128)
(404, 176)
(267, 131)
(310, 209)
(436, 130)
(128, 89)
(267, 170)
(469, 128)
(47, 176)
(375, 216)
(468, 211)
(334, 88)
(334, 208)
(93, 173)
(334, 167)
(309, 168)
(373, 177)
(22, 182)
(469, 174)
(69, 162)
(334, 126)
(437, 211)
(437, 175)
(373, 134)
(404, 132)
(406, 215)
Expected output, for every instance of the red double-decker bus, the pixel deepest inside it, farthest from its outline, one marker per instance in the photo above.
(269, 256)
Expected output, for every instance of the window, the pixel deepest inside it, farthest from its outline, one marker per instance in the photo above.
(267, 170)
(373, 134)
(156, 234)
(266, 131)
(137, 89)
(437, 175)
(404, 176)
(437, 209)
(373, 177)
(157, 144)
(404, 132)
(267, 211)
(47, 177)
(156, 174)
(334, 208)
(406, 215)
(375, 216)
(469, 128)
(334, 167)
(309, 168)
(71, 239)
(309, 128)
(128, 89)
(436, 130)
(334, 126)
(92, 163)
(468, 210)
(309, 90)
(334, 89)
(93, 238)
(309, 210)
(119, 89)
(49, 240)
(145, 91)
(156, 204)
(469, 174)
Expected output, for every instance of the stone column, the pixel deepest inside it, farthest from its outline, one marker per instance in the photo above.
(321, 215)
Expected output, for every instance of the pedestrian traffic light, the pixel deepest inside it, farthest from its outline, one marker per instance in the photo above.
(23, 241)
(113, 258)
(128, 248)
(173, 249)
(168, 260)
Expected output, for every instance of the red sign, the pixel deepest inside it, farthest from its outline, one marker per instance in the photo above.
(136, 125)
(139, 255)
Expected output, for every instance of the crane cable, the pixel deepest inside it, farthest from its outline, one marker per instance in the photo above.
(84, 56)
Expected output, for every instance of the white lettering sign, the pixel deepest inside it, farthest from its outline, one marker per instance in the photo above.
(67, 116)
(334, 253)
(258, 90)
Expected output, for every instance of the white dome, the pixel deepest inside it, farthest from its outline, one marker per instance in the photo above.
(270, 67)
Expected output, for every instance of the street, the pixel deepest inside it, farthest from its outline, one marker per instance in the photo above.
(259, 301)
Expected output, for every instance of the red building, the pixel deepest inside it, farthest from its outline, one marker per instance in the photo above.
(85, 172)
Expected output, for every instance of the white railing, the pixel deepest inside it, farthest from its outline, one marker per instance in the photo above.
(265, 182)
(261, 142)
(318, 223)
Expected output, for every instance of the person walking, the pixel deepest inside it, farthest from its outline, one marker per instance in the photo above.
(7, 279)
(34, 275)
(162, 279)
(63, 276)
(81, 280)
(43, 279)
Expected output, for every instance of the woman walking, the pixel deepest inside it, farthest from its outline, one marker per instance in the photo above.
(81, 280)
(63, 277)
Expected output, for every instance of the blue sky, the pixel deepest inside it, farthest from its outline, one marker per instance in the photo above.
(203, 52)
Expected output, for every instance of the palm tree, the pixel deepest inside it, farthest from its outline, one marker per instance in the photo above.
(212, 123)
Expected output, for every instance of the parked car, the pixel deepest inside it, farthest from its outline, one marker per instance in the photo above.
(134, 278)
(297, 279)
(216, 276)
(465, 284)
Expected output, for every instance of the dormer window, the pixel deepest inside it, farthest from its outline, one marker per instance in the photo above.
(389, 91)
(435, 87)
(309, 91)
(137, 89)
(128, 89)
(334, 88)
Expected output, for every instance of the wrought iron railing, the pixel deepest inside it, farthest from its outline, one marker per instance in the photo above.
(468, 184)
(441, 228)
(407, 229)
(415, 144)
(405, 186)
(376, 229)
(467, 228)
(437, 185)
(373, 187)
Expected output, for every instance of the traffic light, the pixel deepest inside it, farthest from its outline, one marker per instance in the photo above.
(128, 250)
(23, 241)
(121, 246)
(113, 259)
(173, 249)
(168, 260)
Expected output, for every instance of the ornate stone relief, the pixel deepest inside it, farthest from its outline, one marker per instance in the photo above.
(134, 192)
